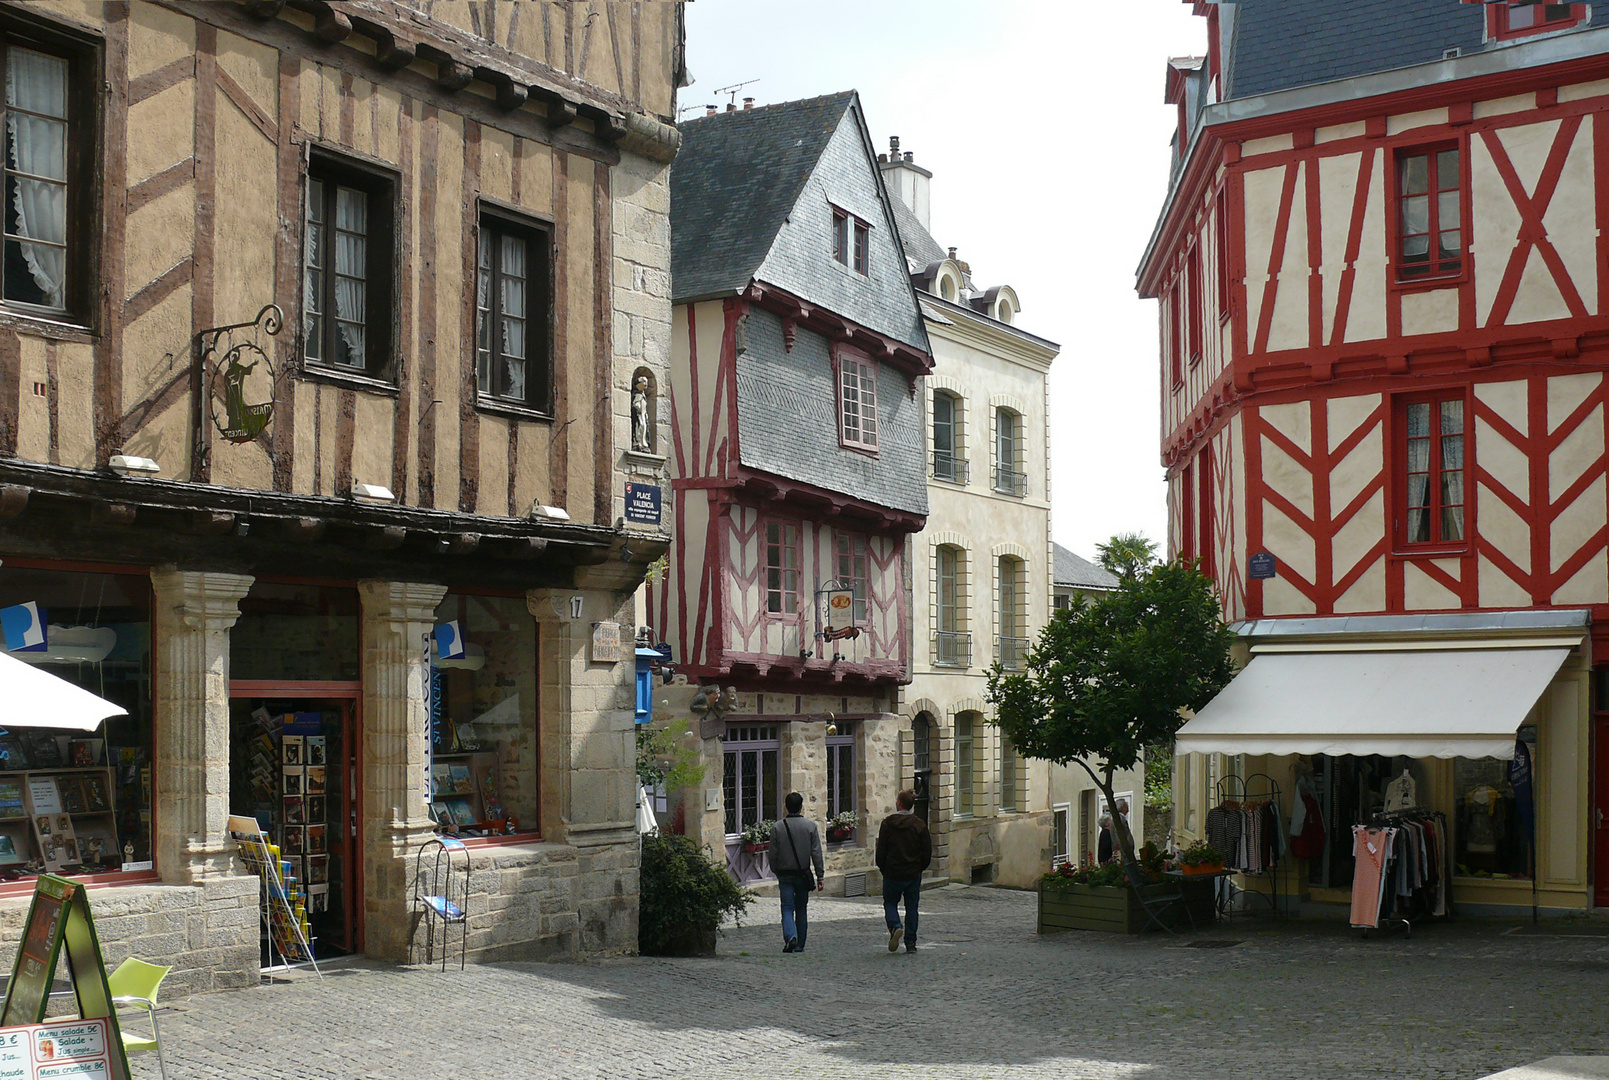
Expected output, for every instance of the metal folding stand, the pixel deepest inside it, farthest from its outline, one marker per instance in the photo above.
(435, 868)
(283, 906)
(1229, 892)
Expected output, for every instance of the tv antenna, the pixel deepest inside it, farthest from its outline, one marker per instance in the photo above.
(733, 89)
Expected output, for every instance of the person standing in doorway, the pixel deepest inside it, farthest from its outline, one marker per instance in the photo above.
(795, 852)
(904, 851)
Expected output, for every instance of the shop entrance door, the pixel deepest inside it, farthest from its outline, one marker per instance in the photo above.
(295, 766)
(1600, 810)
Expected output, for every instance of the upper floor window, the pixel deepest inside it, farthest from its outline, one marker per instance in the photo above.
(1430, 192)
(966, 761)
(511, 312)
(1009, 477)
(851, 241)
(1514, 20)
(1171, 346)
(1012, 647)
(1220, 246)
(1010, 765)
(49, 132)
(852, 570)
(347, 275)
(781, 568)
(857, 401)
(949, 463)
(1432, 479)
(1192, 274)
(952, 644)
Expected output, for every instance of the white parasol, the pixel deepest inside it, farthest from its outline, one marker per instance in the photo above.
(30, 697)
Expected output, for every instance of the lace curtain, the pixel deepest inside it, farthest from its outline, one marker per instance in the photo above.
(36, 131)
(351, 270)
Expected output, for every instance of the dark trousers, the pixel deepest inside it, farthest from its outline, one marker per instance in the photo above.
(909, 891)
(795, 892)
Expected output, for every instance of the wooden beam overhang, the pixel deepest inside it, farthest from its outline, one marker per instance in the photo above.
(816, 502)
(50, 511)
(516, 79)
(799, 312)
(751, 671)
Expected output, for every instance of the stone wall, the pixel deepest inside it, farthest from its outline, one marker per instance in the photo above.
(207, 932)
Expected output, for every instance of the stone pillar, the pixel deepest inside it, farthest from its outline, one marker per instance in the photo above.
(397, 616)
(193, 612)
(589, 753)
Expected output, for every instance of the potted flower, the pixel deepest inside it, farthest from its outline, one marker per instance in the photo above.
(1201, 858)
(841, 827)
(757, 837)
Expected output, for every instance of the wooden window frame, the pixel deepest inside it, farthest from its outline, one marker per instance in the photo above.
(957, 609)
(85, 56)
(1173, 347)
(1220, 238)
(1437, 272)
(1187, 512)
(1016, 467)
(865, 374)
(782, 595)
(539, 237)
(839, 747)
(851, 241)
(858, 553)
(1204, 512)
(967, 760)
(1498, 27)
(380, 186)
(956, 452)
(1192, 274)
(1436, 544)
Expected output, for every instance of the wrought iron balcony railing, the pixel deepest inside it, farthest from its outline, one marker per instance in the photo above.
(951, 649)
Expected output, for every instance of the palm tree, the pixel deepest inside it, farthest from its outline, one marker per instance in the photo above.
(1126, 554)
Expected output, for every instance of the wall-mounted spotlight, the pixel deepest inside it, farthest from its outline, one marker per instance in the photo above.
(371, 493)
(129, 465)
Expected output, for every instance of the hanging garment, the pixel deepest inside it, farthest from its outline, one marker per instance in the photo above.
(1402, 793)
(1308, 842)
(1371, 850)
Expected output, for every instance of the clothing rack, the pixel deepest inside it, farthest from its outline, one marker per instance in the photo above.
(1261, 788)
(1392, 910)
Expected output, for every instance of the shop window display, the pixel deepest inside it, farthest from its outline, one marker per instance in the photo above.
(484, 746)
(79, 802)
(1495, 815)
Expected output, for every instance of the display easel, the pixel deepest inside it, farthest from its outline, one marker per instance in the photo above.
(283, 907)
(434, 894)
(1258, 786)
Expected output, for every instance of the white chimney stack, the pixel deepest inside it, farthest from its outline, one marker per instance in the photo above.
(908, 181)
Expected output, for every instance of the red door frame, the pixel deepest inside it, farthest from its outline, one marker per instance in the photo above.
(1598, 811)
(351, 695)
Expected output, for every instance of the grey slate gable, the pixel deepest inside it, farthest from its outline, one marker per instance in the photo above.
(787, 414)
(735, 180)
(800, 260)
(1279, 44)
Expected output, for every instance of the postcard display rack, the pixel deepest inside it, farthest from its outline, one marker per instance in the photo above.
(59, 820)
(441, 892)
(303, 832)
(284, 906)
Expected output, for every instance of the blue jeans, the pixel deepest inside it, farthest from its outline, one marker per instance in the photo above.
(893, 892)
(795, 907)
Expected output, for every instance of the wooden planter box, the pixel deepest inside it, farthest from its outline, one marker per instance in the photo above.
(1114, 909)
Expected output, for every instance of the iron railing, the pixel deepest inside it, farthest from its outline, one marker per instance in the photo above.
(1012, 652)
(948, 466)
(952, 649)
(1010, 481)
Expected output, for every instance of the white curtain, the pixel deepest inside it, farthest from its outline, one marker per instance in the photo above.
(513, 314)
(38, 83)
(351, 268)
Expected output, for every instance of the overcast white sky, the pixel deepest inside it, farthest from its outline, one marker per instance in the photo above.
(1043, 124)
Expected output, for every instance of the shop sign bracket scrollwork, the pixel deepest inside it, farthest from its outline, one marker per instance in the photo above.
(239, 375)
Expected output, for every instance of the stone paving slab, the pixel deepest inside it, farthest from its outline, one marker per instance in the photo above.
(1558, 1068)
(984, 997)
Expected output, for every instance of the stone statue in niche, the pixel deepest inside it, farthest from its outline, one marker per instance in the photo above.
(641, 434)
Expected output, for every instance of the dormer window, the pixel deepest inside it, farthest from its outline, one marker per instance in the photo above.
(851, 241)
(1517, 20)
(857, 401)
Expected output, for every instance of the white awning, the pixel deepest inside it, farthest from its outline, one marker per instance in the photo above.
(1459, 702)
(35, 698)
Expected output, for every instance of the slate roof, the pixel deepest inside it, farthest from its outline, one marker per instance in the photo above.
(920, 247)
(1279, 44)
(735, 179)
(1074, 572)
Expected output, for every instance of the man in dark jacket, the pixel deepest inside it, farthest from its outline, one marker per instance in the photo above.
(904, 850)
(795, 849)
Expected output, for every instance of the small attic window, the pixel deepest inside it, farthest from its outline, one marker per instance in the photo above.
(851, 241)
(947, 287)
(1517, 20)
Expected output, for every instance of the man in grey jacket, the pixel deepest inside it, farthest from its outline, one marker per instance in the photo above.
(795, 848)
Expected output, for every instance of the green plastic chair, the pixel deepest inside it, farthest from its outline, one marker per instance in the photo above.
(134, 984)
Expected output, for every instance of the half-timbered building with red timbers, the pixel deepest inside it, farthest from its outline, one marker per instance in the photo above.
(796, 459)
(1383, 275)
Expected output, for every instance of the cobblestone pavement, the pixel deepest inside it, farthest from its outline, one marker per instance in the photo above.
(984, 997)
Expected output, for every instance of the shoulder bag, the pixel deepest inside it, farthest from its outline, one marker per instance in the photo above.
(804, 868)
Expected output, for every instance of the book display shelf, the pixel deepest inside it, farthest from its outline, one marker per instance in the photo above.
(59, 821)
(464, 794)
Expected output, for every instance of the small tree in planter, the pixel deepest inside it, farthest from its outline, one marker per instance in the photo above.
(684, 897)
(1108, 677)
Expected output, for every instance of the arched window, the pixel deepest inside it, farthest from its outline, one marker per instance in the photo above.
(1010, 789)
(966, 762)
(922, 741)
(1011, 642)
(1009, 477)
(952, 644)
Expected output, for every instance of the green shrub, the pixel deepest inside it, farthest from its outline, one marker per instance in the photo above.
(683, 891)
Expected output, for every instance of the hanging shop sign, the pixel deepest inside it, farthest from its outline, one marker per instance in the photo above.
(1261, 566)
(240, 375)
(643, 503)
(840, 614)
(58, 919)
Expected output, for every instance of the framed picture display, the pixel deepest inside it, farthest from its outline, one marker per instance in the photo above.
(291, 750)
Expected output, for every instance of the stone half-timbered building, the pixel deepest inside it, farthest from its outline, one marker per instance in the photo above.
(796, 456)
(319, 324)
(1383, 273)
